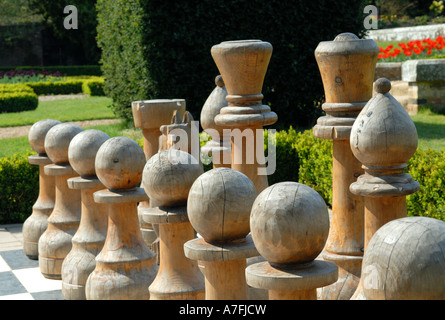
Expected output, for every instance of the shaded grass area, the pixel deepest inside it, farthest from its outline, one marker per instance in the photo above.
(91, 108)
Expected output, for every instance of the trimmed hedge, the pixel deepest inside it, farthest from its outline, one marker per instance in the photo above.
(93, 87)
(161, 49)
(17, 97)
(19, 185)
(56, 87)
(310, 159)
(67, 70)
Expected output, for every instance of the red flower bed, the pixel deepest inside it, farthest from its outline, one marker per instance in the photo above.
(412, 49)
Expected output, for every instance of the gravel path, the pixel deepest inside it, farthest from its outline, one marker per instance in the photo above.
(14, 132)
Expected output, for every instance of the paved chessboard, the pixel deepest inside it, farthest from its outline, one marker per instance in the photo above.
(20, 279)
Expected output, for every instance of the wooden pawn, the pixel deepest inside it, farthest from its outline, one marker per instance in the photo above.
(36, 224)
(150, 115)
(167, 179)
(90, 236)
(289, 224)
(347, 66)
(243, 65)
(126, 266)
(56, 242)
(218, 207)
(219, 147)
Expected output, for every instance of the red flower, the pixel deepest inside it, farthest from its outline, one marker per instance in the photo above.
(407, 53)
(429, 52)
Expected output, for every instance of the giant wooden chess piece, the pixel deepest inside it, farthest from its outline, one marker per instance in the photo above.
(219, 147)
(289, 224)
(90, 236)
(383, 139)
(167, 179)
(126, 266)
(405, 260)
(56, 242)
(36, 224)
(347, 67)
(218, 207)
(150, 115)
(243, 65)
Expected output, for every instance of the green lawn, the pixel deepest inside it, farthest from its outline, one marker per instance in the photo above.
(90, 108)
(430, 129)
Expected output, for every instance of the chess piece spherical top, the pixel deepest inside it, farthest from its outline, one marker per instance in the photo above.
(82, 151)
(405, 260)
(169, 175)
(37, 134)
(119, 163)
(219, 204)
(289, 223)
(58, 139)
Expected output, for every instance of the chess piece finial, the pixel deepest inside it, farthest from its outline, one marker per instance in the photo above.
(289, 223)
(126, 266)
(405, 260)
(37, 222)
(90, 236)
(56, 242)
(218, 207)
(347, 66)
(167, 179)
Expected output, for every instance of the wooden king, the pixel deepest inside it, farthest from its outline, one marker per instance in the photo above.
(347, 67)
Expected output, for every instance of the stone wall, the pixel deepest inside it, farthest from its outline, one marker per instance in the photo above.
(407, 33)
(416, 83)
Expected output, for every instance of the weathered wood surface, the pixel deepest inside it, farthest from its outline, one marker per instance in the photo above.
(55, 243)
(89, 238)
(383, 139)
(218, 207)
(150, 115)
(289, 224)
(347, 67)
(126, 266)
(243, 65)
(405, 260)
(167, 179)
(219, 147)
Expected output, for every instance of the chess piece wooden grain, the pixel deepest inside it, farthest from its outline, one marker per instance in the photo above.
(383, 139)
(347, 66)
(167, 179)
(405, 260)
(126, 266)
(89, 238)
(218, 207)
(36, 224)
(56, 242)
(289, 224)
(243, 65)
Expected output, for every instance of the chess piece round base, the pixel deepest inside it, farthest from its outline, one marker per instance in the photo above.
(36, 224)
(223, 265)
(178, 278)
(294, 282)
(56, 242)
(126, 266)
